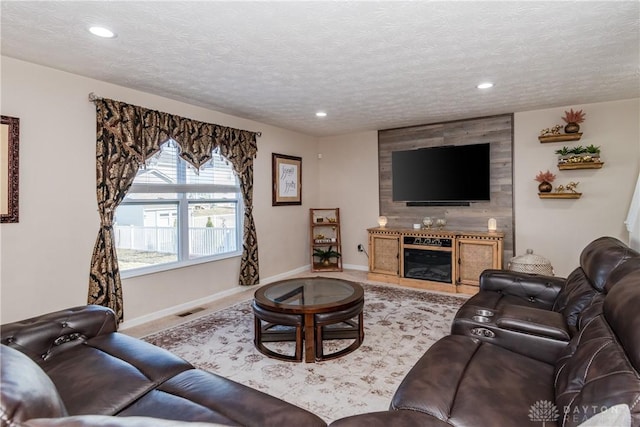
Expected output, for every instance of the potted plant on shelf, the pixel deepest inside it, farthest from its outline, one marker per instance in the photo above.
(563, 154)
(573, 120)
(325, 255)
(593, 152)
(579, 154)
(545, 179)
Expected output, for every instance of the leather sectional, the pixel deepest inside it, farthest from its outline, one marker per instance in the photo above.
(526, 349)
(551, 350)
(71, 368)
(537, 315)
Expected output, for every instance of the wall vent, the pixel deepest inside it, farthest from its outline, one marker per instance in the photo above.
(190, 312)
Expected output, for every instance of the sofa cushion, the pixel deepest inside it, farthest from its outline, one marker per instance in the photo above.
(621, 312)
(575, 296)
(598, 369)
(599, 260)
(629, 266)
(26, 391)
(600, 257)
(461, 380)
(121, 367)
(198, 395)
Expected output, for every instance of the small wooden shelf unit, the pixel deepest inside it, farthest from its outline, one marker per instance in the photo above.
(471, 254)
(559, 195)
(560, 138)
(583, 165)
(325, 222)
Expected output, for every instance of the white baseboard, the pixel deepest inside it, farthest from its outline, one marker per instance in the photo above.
(356, 267)
(169, 311)
(286, 274)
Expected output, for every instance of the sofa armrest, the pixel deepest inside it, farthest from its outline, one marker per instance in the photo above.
(41, 336)
(533, 321)
(532, 287)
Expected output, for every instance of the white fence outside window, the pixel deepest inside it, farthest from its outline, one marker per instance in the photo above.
(203, 241)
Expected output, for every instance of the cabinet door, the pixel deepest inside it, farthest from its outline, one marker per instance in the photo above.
(475, 256)
(384, 254)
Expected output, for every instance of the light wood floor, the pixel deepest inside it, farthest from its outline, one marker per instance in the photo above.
(173, 320)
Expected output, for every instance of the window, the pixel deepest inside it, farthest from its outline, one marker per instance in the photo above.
(174, 215)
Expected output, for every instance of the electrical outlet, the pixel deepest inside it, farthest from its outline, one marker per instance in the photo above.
(360, 248)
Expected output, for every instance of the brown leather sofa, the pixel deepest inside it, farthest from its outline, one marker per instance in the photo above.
(71, 368)
(568, 296)
(476, 380)
(537, 315)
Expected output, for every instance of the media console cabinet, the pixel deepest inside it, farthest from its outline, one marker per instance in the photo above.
(440, 260)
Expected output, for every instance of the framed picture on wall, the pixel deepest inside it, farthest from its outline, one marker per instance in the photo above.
(9, 161)
(286, 174)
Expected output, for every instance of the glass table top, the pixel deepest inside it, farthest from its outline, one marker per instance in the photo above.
(309, 291)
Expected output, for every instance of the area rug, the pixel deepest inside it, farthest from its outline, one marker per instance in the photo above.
(400, 325)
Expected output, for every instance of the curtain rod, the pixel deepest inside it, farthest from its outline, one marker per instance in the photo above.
(93, 97)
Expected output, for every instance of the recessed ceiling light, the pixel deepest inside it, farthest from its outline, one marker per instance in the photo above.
(321, 114)
(102, 32)
(486, 85)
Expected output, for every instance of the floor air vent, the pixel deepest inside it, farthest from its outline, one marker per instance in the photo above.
(190, 312)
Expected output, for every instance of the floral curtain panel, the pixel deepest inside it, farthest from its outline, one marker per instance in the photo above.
(128, 135)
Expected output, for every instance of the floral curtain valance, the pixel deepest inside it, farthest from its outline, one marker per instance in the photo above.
(142, 131)
(128, 135)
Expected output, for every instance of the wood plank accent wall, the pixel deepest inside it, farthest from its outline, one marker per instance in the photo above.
(498, 130)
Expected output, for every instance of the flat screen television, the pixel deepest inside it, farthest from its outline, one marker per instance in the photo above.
(442, 175)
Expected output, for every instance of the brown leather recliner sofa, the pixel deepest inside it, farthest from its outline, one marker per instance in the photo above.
(72, 368)
(499, 379)
(537, 315)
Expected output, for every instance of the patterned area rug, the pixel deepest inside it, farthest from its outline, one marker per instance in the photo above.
(400, 325)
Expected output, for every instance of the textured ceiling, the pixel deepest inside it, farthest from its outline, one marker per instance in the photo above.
(369, 65)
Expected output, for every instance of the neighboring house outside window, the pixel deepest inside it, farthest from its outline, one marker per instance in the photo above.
(174, 215)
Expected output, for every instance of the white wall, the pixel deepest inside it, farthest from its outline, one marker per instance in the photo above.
(349, 180)
(559, 229)
(44, 261)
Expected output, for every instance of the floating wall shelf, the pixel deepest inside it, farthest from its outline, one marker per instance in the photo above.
(585, 165)
(559, 195)
(561, 138)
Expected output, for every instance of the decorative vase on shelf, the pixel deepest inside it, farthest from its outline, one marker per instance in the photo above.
(427, 222)
(572, 128)
(573, 120)
(545, 187)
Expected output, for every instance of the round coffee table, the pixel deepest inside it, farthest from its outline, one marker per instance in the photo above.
(312, 310)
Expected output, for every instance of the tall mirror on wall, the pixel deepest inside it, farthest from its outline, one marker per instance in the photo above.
(9, 162)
